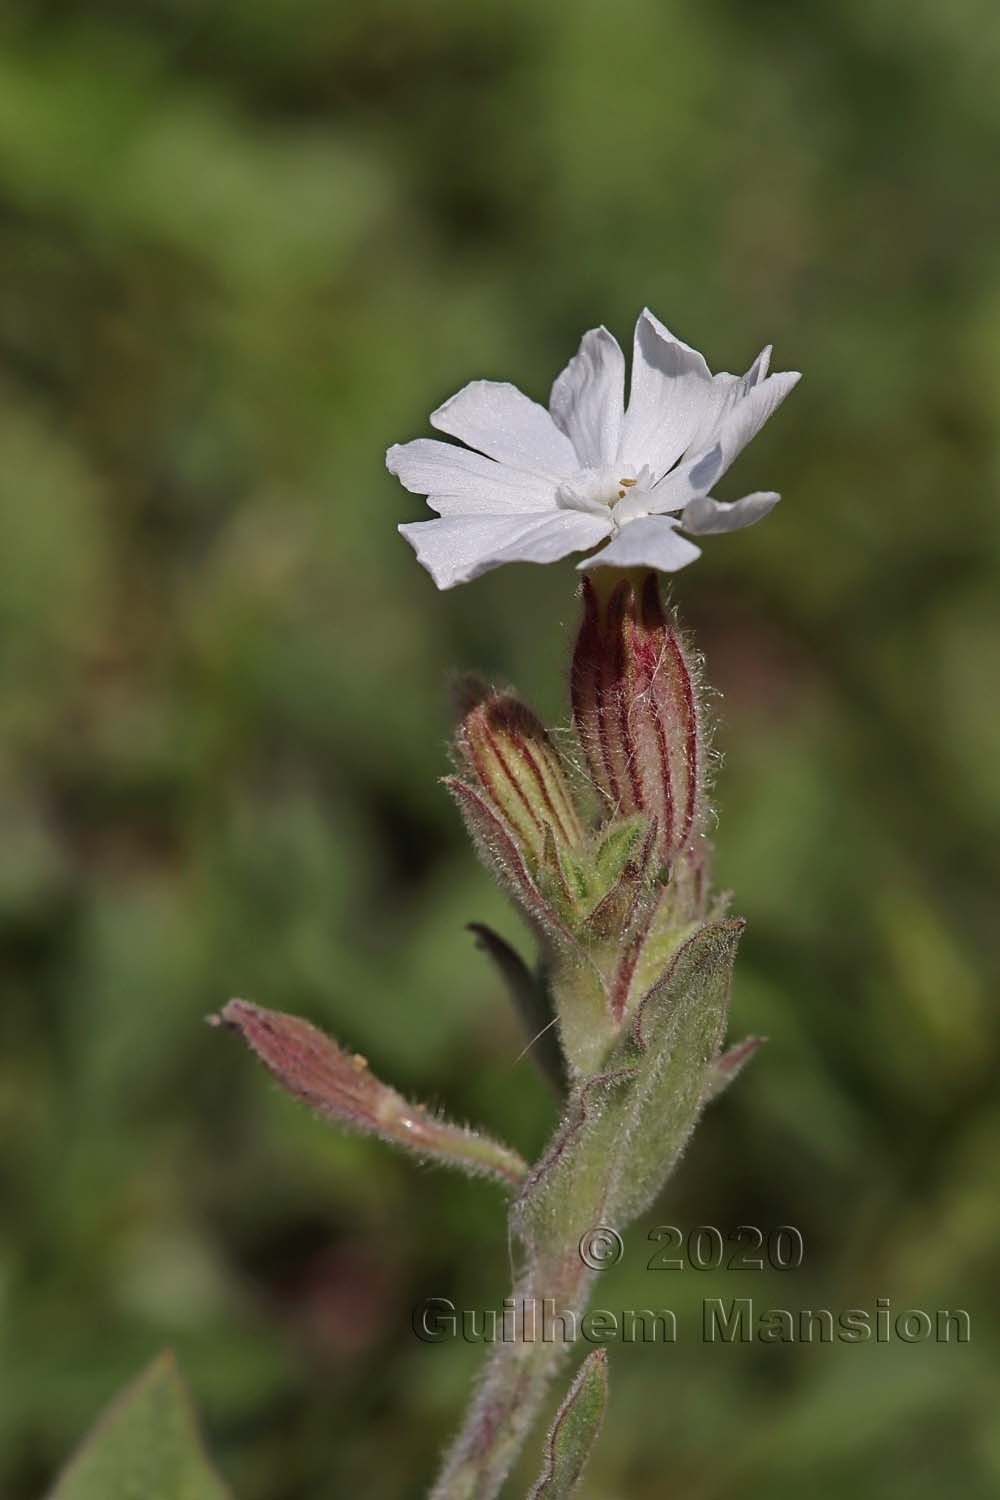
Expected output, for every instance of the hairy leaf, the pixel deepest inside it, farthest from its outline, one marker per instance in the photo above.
(574, 1431)
(625, 1127)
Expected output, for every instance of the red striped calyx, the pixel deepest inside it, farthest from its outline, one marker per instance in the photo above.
(637, 711)
(505, 748)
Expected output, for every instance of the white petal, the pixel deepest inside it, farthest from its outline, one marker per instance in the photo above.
(457, 481)
(501, 421)
(456, 549)
(741, 422)
(758, 370)
(703, 514)
(588, 399)
(749, 413)
(672, 397)
(729, 390)
(650, 542)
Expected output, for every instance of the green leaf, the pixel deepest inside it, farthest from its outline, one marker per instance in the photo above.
(574, 1431)
(145, 1446)
(677, 1034)
(532, 999)
(618, 846)
(621, 897)
(625, 1127)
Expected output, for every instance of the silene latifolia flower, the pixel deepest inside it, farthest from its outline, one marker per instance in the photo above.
(600, 837)
(590, 472)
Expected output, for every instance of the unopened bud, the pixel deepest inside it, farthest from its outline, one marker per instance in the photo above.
(340, 1086)
(507, 750)
(637, 712)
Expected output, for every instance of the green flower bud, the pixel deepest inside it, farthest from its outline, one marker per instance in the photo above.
(505, 748)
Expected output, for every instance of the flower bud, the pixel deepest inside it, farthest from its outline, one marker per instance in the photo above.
(340, 1086)
(637, 711)
(506, 749)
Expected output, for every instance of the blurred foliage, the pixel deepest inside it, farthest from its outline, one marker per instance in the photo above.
(242, 249)
(145, 1444)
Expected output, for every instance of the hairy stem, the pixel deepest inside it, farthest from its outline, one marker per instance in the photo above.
(548, 1303)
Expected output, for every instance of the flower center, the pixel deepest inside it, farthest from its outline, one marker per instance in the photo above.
(600, 490)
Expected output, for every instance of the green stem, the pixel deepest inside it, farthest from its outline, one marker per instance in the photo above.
(619, 1139)
(549, 1302)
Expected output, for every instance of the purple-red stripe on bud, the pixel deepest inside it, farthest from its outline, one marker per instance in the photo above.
(506, 749)
(637, 712)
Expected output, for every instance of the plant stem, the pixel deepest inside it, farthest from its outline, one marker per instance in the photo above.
(548, 1303)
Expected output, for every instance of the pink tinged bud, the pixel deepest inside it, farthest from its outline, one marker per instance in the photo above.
(508, 752)
(637, 713)
(340, 1087)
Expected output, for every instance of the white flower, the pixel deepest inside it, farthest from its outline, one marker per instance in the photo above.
(535, 485)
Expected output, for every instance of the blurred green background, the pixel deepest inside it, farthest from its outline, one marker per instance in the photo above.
(243, 247)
